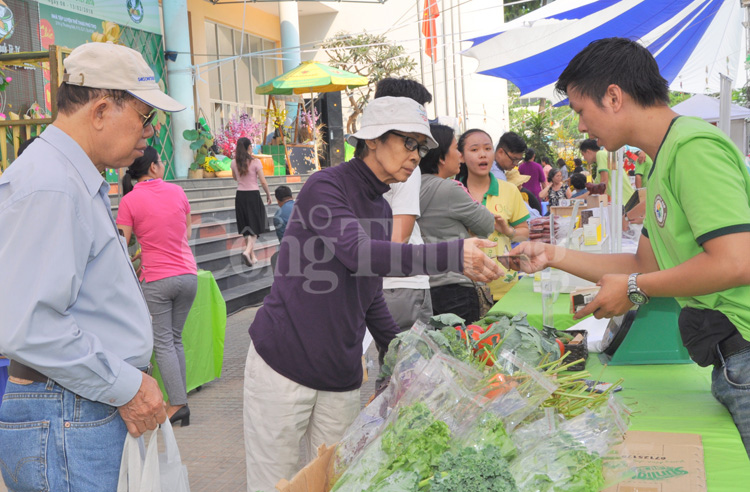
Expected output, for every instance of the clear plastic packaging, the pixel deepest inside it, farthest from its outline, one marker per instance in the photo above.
(571, 455)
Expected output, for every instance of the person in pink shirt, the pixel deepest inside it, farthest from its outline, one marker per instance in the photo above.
(248, 206)
(159, 214)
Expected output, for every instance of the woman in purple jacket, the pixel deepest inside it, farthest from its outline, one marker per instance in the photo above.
(304, 369)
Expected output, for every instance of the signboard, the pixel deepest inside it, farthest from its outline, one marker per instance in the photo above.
(138, 14)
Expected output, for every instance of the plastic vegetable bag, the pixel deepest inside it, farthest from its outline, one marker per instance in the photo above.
(154, 471)
(417, 431)
(522, 340)
(574, 455)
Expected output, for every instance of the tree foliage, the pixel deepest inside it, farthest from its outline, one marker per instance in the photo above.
(369, 55)
(513, 11)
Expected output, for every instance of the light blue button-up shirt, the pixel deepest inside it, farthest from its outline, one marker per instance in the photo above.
(71, 306)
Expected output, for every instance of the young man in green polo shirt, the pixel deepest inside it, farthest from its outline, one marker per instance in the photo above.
(697, 228)
(642, 168)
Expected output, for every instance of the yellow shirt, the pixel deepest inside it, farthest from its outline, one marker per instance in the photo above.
(508, 203)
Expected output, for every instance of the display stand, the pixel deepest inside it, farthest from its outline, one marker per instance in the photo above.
(652, 338)
(301, 158)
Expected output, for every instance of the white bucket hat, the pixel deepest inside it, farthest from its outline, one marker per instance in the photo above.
(393, 113)
(112, 66)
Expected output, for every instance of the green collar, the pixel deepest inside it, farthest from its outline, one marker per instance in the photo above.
(493, 190)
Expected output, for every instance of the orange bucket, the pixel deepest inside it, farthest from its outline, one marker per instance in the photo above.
(267, 161)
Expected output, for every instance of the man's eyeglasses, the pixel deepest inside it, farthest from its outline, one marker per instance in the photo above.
(412, 144)
(147, 118)
(514, 160)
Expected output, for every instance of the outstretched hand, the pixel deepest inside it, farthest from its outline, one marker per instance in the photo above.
(533, 257)
(477, 265)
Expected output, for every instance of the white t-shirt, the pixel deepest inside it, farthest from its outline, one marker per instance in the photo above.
(404, 200)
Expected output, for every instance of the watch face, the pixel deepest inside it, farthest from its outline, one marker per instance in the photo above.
(637, 298)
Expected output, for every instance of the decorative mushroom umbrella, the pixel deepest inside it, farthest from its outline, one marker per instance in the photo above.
(311, 76)
(308, 77)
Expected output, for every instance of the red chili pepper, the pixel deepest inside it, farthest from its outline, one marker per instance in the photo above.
(561, 345)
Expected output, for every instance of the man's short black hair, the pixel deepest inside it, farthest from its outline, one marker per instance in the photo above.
(619, 61)
(403, 87)
(282, 192)
(512, 143)
(589, 144)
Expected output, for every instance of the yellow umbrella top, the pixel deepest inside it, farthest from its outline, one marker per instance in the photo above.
(311, 76)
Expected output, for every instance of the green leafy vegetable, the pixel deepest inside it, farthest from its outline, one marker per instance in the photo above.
(559, 464)
(475, 471)
(489, 431)
(414, 442)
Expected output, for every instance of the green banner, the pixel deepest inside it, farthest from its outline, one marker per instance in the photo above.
(138, 14)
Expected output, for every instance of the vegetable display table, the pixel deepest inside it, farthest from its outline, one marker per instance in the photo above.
(664, 398)
(203, 335)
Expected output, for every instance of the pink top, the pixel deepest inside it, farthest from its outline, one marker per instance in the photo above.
(248, 182)
(157, 212)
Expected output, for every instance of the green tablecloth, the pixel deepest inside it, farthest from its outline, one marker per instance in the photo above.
(523, 298)
(203, 335)
(664, 398)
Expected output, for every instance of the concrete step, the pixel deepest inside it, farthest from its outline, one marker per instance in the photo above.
(226, 242)
(222, 220)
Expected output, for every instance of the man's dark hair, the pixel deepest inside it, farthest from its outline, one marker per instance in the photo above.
(403, 87)
(282, 192)
(71, 97)
(578, 181)
(619, 61)
(443, 135)
(512, 143)
(589, 144)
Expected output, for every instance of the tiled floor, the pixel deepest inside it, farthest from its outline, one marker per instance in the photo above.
(212, 446)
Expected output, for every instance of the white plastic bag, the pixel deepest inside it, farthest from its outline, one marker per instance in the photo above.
(154, 472)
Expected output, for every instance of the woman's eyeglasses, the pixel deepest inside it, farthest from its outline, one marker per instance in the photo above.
(412, 144)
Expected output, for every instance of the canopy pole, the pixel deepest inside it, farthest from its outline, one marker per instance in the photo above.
(445, 60)
(464, 111)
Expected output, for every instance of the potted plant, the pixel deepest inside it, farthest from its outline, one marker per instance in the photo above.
(201, 142)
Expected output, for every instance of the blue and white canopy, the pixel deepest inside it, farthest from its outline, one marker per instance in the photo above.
(693, 41)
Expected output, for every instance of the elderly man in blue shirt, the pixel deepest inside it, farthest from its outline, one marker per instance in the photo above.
(74, 322)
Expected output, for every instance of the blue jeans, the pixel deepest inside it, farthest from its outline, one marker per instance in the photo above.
(54, 440)
(730, 384)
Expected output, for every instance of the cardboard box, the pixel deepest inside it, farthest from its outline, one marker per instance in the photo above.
(666, 462)
(314, 477)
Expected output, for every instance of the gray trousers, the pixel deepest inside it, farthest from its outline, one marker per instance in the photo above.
(169, 301)
(407, 306)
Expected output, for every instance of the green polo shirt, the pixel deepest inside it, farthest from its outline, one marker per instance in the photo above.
(601, 167)
(699, 189)
(644, 167)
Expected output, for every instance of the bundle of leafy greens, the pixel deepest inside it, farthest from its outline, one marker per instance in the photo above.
(559, 464)
(522, 339)
(489, 431)
(470, 470)
(447, 339)
(406, 453)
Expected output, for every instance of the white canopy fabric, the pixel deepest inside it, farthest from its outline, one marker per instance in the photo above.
(707, 108)
(693, 41)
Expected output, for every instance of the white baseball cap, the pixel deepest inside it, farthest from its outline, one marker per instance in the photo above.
(112, 66)
(388, 113)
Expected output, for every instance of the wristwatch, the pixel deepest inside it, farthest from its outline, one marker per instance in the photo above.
(636, 295)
